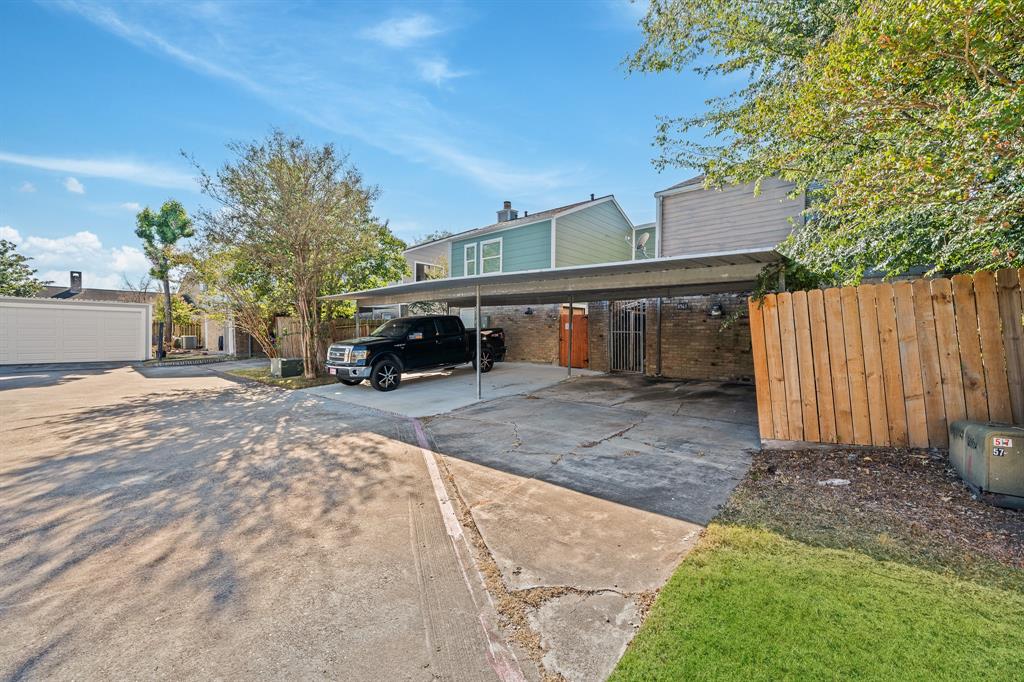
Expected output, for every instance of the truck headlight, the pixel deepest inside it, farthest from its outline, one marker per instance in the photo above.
(360, 354)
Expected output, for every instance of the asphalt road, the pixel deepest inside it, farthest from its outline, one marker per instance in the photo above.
(181, 525)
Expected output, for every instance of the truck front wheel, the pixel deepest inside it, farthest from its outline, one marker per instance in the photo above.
(386, 375)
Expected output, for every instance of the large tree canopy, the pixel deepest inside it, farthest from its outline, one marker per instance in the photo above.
(902, 119)
(17, 278)
(303, 217)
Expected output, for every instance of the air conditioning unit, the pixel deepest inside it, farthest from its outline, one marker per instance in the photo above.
(189, 342)
(990, 459)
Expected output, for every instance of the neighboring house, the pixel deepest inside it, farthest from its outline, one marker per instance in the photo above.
(76, 291)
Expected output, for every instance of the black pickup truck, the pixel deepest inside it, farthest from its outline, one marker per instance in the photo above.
(411, 343)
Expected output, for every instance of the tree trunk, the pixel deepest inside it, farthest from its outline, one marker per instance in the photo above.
(168, 312)
(307, 328)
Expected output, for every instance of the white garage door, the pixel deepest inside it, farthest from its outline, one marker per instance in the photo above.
(44, 330)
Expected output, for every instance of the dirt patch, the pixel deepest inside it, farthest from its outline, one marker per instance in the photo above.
(900, 505)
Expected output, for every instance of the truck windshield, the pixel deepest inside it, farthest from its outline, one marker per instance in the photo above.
(393, 329)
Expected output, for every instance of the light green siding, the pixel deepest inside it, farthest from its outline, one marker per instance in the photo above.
(596, 234)
(651, 247)
(523, 248)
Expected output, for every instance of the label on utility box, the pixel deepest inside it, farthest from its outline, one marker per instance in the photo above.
(998, 442)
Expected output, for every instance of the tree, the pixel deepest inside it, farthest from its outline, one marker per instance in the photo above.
(17, 278)
(233, 286)
(181, 312)
(901, 120)
(432, 237)
(160, 234)
(303, 216)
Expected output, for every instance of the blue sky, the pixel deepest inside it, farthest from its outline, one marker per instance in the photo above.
(449, 108)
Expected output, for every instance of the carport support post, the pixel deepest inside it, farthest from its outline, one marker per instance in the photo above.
(478, 334)
(568, 356)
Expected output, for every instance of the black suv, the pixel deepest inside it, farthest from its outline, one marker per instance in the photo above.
(412, 343)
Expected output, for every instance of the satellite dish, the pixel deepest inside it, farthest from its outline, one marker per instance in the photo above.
(641, 244)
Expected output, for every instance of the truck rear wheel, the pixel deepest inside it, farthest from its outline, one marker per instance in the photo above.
(486, 360)
(386, 375)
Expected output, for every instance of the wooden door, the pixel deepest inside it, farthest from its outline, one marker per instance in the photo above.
(580, 339)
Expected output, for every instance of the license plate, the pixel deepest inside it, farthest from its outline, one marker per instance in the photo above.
(332, 370)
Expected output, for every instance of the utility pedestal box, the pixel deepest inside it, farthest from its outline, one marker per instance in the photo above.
(285, 367)
(990, 459)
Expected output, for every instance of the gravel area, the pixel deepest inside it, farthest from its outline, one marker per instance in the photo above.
(900, 505)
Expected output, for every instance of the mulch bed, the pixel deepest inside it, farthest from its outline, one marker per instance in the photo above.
(900, 505)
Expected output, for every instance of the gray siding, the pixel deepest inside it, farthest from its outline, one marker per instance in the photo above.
(596, 234)
(731, 219)
(436, 254)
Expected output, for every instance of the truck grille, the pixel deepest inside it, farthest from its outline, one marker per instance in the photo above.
(339, 353)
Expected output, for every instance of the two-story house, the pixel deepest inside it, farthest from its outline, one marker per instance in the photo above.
(596, 230)
(680, 333)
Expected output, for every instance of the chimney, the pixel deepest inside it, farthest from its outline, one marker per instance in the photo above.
(507, 213)
(76, 281)
(591, 196)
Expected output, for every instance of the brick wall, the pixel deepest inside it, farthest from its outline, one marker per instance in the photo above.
(693, 346)
(529, 338)
(598, 329)
(693, 343)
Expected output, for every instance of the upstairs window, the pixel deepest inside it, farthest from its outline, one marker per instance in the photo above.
(470, 261)
(490, 255)
(425, 271)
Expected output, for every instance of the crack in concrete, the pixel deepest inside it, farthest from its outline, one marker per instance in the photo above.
(617, 434)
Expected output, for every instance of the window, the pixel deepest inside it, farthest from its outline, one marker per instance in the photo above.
(470, 261)
(449, 326)
(427, 328)
(490, 255)
(426, 271)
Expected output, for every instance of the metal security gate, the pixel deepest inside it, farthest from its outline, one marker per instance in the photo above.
(627, 325)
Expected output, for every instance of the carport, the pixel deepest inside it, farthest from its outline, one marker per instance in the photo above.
(655, 278)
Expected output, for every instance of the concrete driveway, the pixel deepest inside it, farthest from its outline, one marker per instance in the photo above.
(423, 394)
(175, 524)
(588, 493)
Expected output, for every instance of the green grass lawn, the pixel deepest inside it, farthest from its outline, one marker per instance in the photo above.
(751, 604)
(262, 374)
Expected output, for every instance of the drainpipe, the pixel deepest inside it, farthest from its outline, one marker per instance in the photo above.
(657, 371)
(479, 329)
(569, 354)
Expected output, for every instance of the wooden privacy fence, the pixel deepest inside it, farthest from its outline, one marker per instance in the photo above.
(190, 329)
(289, 341)
(889, 364)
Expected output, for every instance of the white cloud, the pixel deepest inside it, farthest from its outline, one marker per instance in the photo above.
(10, 234)
(102, 267)
(27, 187)
(74, 186)
(372, 102)
(115, 169)
(404, 31)
(436, 71)
(131, 206)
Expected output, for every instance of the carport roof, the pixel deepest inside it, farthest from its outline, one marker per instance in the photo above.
(651, 278)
